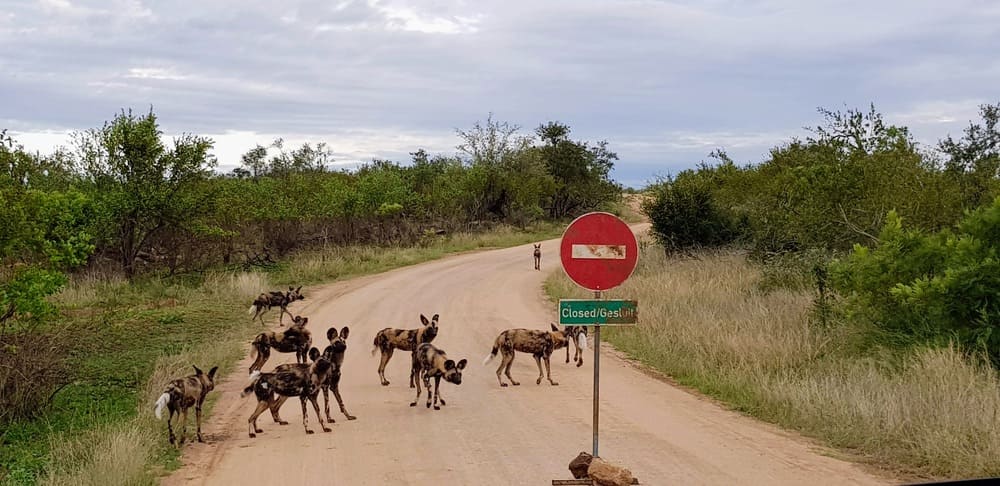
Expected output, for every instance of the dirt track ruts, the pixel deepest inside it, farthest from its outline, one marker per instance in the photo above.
(487, 435)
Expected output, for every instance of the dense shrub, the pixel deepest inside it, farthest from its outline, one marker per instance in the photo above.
(936, 287)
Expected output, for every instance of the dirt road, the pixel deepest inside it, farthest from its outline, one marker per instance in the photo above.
(487, 435)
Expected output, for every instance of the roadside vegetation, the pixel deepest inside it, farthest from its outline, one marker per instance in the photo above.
(845, 287)
(127, 258)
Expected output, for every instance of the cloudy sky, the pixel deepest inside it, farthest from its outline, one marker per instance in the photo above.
(664, 82)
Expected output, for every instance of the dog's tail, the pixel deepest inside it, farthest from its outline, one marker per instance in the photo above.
(252, 308)
(254, 378)
(256, 344)
(582, 341)
(379, 341)
(160, 403)
(496, 347)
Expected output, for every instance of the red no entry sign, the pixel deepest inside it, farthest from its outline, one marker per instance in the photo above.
(598, 251)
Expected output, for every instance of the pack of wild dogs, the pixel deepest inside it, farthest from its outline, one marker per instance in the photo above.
(315, 370)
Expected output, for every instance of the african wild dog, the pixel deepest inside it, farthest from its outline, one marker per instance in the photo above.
(180, 395)
(264, 302)
(388, 340)
(578, 335)
(292, 380)
(538, 256)
(334, 353)
(539, 343)
(296, 339)
(431, 362)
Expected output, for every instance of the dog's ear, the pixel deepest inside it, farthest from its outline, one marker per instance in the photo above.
(434, 320)
(197, 372)
(423, 320)
(305, 320)
(344, 333)
(462, 363)
(449, 364)
(554, 328)
(313, 354)
(291, 289)
(298, 289)
(331, 333)
(211, 373)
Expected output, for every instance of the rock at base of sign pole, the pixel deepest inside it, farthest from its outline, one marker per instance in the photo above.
(607, 474)
(578, 467)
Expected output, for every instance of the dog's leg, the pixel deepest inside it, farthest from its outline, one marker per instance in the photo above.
(414, 403)
(305, 416)
(314, 399)
(252, 421)
(503, 363)
(183, 420)
(386, 355)
(538, 361)
(275, 405)
(437, 386)
(263, 353)
(170, 429)
(326, 403)
(427, 385)
(197, 415)
(509, 359)
(548, 370)
(340, 401)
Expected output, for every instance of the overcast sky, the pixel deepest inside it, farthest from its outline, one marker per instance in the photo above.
(663, 82)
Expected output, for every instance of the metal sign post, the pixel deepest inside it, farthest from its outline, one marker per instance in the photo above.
(597, 377)
(598, 251)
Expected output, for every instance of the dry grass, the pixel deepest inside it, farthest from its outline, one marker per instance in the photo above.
(109, 455)
(932, 412)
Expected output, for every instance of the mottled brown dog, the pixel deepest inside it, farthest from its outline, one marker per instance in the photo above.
(334, 353)
(180, 395)
(388, 340)
(539, 344)
(292, 380)
(431, 362)
(538, 256)
(296, 339)
(264, 302)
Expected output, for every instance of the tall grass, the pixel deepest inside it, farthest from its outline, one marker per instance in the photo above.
(707, 323)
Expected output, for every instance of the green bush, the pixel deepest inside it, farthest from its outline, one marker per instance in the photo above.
(930, 288)
(685, 215)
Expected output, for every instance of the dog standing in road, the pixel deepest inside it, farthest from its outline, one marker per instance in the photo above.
(431, 362)
(296, 339)
(538, 256)
(264, 302)
(334, 353)
(180, 395)
(290, 380)
(540, 344)
(388, 340)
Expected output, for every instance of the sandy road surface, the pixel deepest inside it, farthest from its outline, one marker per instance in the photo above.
(487, 435)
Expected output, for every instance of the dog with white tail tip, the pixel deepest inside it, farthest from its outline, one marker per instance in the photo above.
(180, 395)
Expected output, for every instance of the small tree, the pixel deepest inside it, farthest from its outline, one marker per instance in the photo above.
(143, 186)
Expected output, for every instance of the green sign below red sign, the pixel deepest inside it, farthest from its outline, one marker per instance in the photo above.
(598, 312)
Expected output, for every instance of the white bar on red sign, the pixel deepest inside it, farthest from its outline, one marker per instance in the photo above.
(599, 252)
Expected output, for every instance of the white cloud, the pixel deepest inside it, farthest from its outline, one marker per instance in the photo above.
(154, 73)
